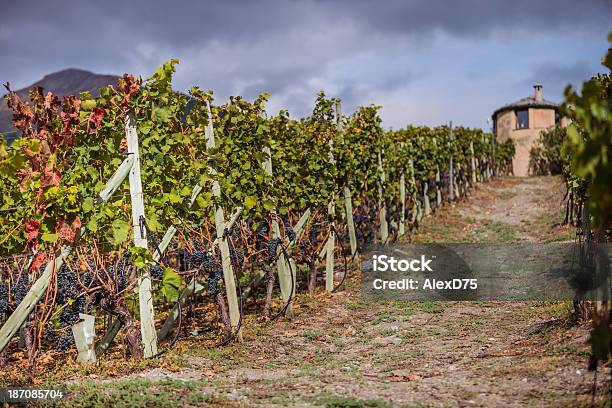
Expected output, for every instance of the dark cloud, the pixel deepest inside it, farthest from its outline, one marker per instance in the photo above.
(477, 17)
(288, 48)
(556, 77)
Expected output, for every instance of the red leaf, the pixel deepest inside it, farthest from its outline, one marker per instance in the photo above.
(128, 86)
(37, 262)
(67, 231)
(50, 178)
(50, 101)
(95, 119)
(22, 113)
(76, 223)
(32, 229)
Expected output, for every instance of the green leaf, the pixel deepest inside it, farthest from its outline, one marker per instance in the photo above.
(204, 200)
(49, 237)
(268, 205)
(250, 202)
(87, 205)
(174, 198)
(121, 230)
(171, 282)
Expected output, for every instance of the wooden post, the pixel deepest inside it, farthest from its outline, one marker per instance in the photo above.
(145, 297)
(331, 239)
(438, 192)
(350, 222)
(348, 200)
(84, 333)
(473, 158)
(117, 178)
(384, 228)
(488, 169)
(284, 278)
(228, 273)
(299, 227)
(426, 204)
(402, 226)
(494, 170)
(330, 246)
(457, 189)
(451, 177)
(415, 196)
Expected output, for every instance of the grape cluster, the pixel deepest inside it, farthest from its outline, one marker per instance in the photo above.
(261, 234)
(364, 219)
(237, 258)
(313, 235)
(69, 316)
(272, 247)
(262, 229)
(212, 279)
(235, 232)
(65, 341)
(372, 213)
(73, 306)
(121, 273)
(156, 272)
(202, 260)
(19, 290)
(67, 284)
(48, 333)
(3, 300)
(290, 233)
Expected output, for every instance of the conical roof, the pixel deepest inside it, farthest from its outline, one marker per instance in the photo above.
(528, 102)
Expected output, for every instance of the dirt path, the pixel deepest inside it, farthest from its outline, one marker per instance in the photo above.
(341, 351)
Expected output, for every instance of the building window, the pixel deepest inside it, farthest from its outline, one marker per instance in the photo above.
(522, 119)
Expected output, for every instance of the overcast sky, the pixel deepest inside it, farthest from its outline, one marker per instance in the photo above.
(425, 62)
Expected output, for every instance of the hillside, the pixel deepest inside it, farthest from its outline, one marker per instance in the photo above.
(66, 82)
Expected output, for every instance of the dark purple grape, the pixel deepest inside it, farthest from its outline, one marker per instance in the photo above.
(237, 259)
(66, 341)
(69, 316)
(212, 279)
(156, 272)
(19, 291)
(272, 247)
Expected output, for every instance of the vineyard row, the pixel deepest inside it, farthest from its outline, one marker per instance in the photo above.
(92, 182)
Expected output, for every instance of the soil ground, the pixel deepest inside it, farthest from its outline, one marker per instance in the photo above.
(342, 351)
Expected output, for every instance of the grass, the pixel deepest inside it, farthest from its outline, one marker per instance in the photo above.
(357, 305)
(313, 334)
(496, 231)
(107, 366)
(141, 393)
(410, 308)
(566, 349)
(446, 226)
(548, 224)
(229, 356)
(336, 401)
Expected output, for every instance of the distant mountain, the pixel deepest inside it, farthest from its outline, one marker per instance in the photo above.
(62, 83)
